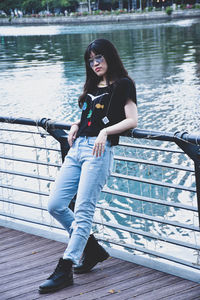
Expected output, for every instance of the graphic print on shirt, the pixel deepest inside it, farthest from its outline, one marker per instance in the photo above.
(95, 97)
(84, 106)
(98, 105)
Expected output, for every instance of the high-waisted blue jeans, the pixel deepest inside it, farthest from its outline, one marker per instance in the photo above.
(85, 175)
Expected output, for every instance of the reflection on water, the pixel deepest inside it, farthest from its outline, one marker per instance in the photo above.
(42, 74)
(42, 70)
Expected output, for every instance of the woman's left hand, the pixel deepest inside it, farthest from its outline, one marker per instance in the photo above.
(100, 142)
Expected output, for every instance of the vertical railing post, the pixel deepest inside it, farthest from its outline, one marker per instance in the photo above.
(197, 176)
(59, 134)
(193, 151)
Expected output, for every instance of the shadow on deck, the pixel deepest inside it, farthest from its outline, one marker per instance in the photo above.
(27, 260)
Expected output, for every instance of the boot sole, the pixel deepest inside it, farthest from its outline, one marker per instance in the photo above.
(52, 290)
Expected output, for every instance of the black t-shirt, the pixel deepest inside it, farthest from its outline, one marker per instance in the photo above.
(105, 107)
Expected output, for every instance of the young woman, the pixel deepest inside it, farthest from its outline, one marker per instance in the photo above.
(108, 106)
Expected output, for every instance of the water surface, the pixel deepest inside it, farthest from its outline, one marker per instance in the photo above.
(42, 70)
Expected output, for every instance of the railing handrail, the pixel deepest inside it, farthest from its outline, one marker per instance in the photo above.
(166, 136)
(44, 122)
(136, 133)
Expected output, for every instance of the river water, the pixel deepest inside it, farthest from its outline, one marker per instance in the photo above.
(42, 70)
(42, 74)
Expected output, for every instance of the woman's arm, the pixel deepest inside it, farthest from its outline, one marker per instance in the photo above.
(128, 123)
(73, 132)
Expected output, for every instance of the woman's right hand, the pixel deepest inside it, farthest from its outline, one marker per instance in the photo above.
(72, 134)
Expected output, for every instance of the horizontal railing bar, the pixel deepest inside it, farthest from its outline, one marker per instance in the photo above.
(132, 196)
(26, 131)
(120, 143)
(113, 192)
(148, 234)
(134, 214)
(154, 163)
(37, 162)
(138, 248)
(115, 157)
(11, 172)
(122, 211)
(20, 189)
(24, 204)
(136, 133)
(147, 147)
(44, 122)
(166, 136)
(147, 134)
(151, 200)
(22, 121)
(17, 173)
(117, 226)
(29, 146)
(53, 149)
(154, 182)
(147, 217)
(154, 253)
(15, 217)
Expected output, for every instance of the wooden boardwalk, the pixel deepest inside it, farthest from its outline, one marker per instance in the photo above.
(27, 260)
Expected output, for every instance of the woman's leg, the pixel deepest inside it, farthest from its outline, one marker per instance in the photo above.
(94, 173)
(65, 188)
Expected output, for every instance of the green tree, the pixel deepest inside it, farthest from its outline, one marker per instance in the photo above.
(62, 4)
(32, 6)
(7, 5)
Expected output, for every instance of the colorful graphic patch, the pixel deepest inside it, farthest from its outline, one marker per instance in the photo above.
(89, 114)
(84, 106)
(98, 105)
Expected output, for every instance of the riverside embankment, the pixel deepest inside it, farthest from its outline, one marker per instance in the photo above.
(92, 19)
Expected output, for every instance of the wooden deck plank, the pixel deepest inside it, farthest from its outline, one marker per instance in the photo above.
(19, 259)
(15, 241)
(157, 289)
(36, 281)
(69, 291)
(172, 289)
(31, 249)
(27, 260)
(190, 294)
(29, 277)
(89, 289)
(118, 287)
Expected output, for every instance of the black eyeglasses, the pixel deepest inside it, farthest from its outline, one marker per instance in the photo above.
(98, 58)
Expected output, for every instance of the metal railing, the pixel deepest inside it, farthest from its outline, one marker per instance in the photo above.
(149, 210)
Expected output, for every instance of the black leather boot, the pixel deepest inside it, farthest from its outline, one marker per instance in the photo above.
(93, 253)
(61, 277)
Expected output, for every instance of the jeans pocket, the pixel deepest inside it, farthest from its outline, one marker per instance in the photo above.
(91, 141)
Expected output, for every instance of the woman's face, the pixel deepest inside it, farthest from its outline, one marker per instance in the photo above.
(98, 64)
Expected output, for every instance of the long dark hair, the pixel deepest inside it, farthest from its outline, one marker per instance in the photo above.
(115, 71)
